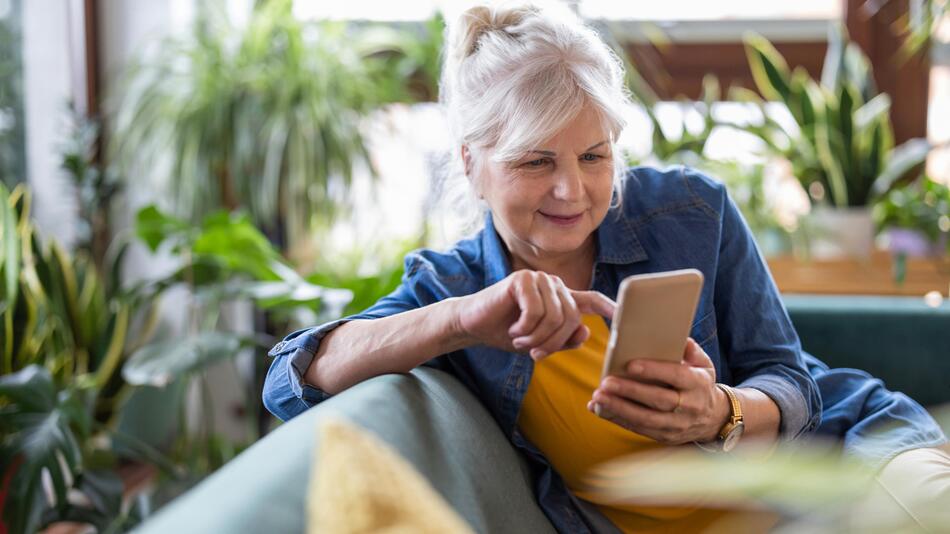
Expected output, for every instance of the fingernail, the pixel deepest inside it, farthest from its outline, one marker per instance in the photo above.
(538, 354)
(597, 408)
(636, 367)
(518, 344)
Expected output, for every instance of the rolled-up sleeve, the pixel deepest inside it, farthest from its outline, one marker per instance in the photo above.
(285, 392)
(757, 337)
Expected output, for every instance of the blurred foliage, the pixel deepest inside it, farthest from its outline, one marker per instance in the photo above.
(12, 133)
(265, 117)
(917, 25)
(843, 143)
(811, 483)
(923, 206)
(405, 63)
(96, 185)
(64, 336)
(745, 181)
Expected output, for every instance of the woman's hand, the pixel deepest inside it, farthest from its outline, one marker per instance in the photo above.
(530, 311)
(686, 406)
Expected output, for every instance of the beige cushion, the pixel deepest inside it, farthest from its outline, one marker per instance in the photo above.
(359, 484)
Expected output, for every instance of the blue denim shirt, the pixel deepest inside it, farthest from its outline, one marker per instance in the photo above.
(668, 219)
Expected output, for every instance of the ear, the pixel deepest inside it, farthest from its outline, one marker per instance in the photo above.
(467, 164)
(467, 160)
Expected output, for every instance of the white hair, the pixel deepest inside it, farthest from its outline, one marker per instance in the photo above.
(515, 74)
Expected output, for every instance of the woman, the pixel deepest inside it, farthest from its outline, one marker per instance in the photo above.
(535, 102)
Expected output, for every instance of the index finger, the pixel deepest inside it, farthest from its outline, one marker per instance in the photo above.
(594, 302)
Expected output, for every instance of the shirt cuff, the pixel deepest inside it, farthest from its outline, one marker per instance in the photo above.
(300, 347)
(793, 410)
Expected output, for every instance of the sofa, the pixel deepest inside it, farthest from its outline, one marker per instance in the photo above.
(444, 432)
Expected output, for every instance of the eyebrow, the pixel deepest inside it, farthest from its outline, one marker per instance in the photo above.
(549, 153)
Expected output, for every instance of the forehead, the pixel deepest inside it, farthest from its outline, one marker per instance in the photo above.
(580, 133)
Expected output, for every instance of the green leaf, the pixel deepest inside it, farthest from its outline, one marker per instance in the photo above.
(31, 388)
(153, 226)
(235, 242)
(769, 69)
(902, 160)
(158, 364)
(37, 429)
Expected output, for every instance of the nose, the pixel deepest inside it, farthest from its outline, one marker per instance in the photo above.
(568, 185)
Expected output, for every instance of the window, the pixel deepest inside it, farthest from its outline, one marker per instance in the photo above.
(12, 153)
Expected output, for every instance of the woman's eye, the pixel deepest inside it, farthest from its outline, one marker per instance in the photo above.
(590, 157)
(536, 162)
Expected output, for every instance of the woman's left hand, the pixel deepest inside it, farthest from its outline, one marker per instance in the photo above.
(673, 403)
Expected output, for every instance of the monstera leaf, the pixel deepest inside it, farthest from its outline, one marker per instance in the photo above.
(40, 447)
(158, 364)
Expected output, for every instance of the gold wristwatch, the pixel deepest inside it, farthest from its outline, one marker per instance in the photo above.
(730, 432)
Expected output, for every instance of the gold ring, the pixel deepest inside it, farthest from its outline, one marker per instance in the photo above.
(679, 399)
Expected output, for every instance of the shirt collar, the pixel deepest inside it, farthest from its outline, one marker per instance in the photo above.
(617, 243)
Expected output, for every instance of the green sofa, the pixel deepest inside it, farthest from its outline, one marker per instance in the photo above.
(442, 429)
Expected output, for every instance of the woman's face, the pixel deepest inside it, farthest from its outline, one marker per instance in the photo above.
(549, 202)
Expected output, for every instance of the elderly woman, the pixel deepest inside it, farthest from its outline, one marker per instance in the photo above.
(519, 313)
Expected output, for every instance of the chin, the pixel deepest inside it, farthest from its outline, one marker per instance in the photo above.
(563, 242)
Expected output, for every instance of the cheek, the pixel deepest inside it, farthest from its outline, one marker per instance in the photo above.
(601, 190)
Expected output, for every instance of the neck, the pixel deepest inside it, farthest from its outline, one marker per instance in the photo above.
(573, 267)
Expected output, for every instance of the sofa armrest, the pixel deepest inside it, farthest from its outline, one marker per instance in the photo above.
(427, 416)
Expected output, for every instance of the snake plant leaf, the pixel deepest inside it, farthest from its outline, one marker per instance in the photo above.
(113, 355)
(873, 110)
(848, 102)
(10, 250)
(769, 69)
(825, 147)
(833, 67)
(903, 159)
(803, 110)
(159, 363)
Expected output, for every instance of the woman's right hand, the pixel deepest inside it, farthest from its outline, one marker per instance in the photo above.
(532, 312)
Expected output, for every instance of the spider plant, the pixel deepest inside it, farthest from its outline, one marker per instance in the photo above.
(264, 117)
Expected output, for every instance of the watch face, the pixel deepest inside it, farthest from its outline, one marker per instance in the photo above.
(732, 438)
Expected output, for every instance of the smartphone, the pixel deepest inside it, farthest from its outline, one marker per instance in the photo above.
(653, 318)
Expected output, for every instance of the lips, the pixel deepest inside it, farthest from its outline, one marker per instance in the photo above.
(562, 220)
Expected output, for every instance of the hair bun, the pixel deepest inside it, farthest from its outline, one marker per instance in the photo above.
(479, 20)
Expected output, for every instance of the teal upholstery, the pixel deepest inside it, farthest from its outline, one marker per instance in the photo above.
(898, 339)
(427, 416)
(442, 429)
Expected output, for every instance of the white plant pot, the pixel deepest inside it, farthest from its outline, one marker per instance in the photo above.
(842, 232)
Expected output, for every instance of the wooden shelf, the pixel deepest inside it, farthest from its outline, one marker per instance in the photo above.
(873, 276)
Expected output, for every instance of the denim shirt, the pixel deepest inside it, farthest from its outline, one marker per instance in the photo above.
(668, 219)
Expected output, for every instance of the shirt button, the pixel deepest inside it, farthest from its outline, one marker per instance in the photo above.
(278, 346)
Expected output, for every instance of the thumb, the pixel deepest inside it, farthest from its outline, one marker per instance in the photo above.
(695, 356)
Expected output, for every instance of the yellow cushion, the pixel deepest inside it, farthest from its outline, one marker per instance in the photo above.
(359, 484)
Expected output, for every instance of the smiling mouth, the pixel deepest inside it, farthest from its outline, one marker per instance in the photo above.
(562, 219)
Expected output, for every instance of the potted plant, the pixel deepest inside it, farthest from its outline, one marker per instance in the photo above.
(841, 147)
(914, 221)
(65, 332)
(265, 117)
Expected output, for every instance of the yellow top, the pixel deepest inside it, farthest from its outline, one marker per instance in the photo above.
(554, 417)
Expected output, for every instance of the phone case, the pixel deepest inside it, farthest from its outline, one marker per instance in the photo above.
(654, 314)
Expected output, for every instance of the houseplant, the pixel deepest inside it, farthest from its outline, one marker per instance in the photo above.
(64, 335)
(915, 221)
(264, 117)
(841, 147)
